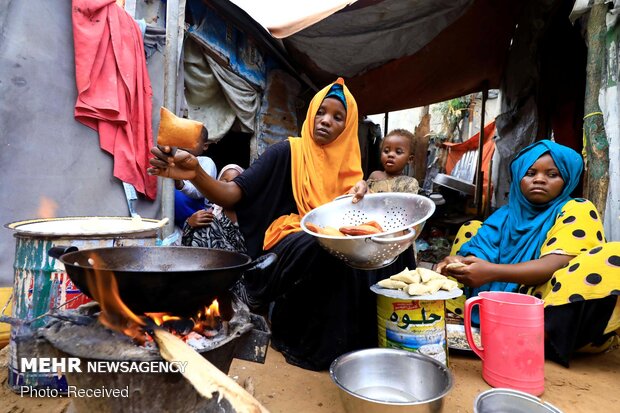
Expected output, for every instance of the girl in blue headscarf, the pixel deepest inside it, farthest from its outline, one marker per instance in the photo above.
(547, 244)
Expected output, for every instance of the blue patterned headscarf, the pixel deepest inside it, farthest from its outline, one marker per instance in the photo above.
(336, 92)
(515, 232)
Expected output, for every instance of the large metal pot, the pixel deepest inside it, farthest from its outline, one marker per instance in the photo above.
(382, 380)
(177, 280)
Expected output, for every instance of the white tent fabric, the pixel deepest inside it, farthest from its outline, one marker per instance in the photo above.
(283, 18)
(216, 96)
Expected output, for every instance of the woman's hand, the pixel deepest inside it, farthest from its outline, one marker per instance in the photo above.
(169, 163)
(200, 218)
(474, 273)
(358, 191)
(450, 259)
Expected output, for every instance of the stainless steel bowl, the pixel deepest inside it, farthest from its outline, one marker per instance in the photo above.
(401, 215)
(383, 380)
(511, 401)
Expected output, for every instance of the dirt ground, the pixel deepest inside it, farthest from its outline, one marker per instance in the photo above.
(590, 385)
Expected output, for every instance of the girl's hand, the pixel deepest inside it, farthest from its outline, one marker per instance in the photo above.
(200, 219)
(474, 273)
(170, 163)
(358, 191)
(451, 259)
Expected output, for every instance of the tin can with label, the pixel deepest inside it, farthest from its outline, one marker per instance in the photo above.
(413, 323)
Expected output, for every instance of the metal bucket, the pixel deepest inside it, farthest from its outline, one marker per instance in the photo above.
(41, 284)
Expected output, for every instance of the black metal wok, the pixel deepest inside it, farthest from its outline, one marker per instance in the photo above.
(178, 280)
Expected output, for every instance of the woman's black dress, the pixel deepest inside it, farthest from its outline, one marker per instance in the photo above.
(322, 307)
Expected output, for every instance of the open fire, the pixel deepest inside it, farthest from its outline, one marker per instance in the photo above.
(204, 343)
(196, 330)
(206, 324)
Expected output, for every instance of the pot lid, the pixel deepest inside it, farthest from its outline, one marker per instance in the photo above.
(400, 294)
(86, 226)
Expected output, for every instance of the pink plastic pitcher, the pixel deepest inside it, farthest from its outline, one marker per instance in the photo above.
(512, 333)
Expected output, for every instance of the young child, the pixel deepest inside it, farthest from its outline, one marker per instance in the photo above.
(216, 227)
(186, 187)
(396, 153)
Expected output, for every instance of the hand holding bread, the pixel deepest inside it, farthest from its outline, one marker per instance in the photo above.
(178, 132)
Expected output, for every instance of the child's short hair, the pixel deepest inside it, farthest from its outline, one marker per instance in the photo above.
(402, 132)
(204, 134)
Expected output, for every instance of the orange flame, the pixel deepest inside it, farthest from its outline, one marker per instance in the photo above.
(117, 316)
(161, 318)
(208, 319)
(47, 208)
(114, 313)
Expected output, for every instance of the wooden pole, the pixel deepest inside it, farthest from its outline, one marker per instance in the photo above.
(479, 172)
(596, 182)
(175, 15)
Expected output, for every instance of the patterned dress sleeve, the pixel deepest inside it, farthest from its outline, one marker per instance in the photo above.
(577, 228)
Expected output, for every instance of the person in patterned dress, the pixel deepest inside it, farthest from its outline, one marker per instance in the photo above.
(216, 227)
(547, 244)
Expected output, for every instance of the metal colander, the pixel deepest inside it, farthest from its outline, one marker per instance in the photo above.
(401, 215)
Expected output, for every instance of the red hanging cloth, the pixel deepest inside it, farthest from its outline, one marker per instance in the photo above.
(114, 89)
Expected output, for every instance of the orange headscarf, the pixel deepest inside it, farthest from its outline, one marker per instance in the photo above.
(319, 173)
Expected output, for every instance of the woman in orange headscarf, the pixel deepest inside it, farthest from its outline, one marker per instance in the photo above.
(321, 307)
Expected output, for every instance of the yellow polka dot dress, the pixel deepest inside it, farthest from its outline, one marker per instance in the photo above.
(594, 272)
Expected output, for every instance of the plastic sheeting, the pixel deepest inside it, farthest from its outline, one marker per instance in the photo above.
(368, 37)
(216, 96)
(517, 123)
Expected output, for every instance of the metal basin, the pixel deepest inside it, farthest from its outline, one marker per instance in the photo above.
(455, 183)
(511, 401)
(383, 380)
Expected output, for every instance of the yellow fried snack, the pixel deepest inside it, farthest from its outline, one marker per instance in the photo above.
(418, 289)
(332, 231)
(454, 265)
(426, 275)
(410, 277)
(449, 284)
(392, 284)
(374, 224)
(359, 230)
(314, 228)
(435, 284)
(176, 131)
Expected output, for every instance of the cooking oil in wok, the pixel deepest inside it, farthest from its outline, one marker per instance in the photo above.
(386, 394)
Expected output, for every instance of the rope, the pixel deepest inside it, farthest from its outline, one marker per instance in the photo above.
(592, 114)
